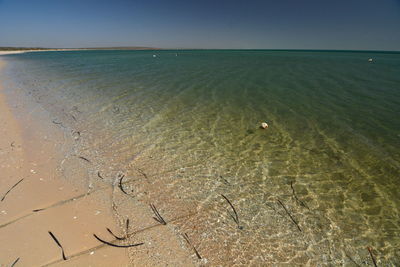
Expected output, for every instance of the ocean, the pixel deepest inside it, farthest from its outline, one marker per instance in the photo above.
(319, 186)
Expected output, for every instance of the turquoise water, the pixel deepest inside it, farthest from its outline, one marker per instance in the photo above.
(184, 128)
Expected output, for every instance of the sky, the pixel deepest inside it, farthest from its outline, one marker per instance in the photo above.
(232, 24)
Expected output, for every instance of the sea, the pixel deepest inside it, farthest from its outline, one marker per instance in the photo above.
(319, 186)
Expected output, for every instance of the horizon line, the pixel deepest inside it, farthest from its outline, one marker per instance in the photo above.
(10, 48)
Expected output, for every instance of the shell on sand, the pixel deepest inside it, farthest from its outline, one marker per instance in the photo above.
(264, 125)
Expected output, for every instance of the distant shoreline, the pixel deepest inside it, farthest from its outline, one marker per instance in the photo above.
(18, 50)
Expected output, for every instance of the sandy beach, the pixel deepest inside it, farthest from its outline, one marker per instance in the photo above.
(39, 198)
(36, 201)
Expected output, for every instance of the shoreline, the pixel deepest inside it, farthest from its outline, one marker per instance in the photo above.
(86, 205)
(39, 200)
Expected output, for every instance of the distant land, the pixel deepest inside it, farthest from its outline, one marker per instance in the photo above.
(9, 48)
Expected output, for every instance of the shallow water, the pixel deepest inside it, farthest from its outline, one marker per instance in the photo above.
(184, 128)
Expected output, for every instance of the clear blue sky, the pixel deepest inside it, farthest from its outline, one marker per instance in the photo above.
(285, 24)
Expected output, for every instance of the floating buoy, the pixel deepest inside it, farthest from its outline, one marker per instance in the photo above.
(370, 60)
(264, 125)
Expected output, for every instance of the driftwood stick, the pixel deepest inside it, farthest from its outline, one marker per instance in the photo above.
(372, 256)
(99, 175)
(4, 196)
(236, 217)
(58, 243)
(290, 215)
(117, 246)
(158, 217)
(185, 236)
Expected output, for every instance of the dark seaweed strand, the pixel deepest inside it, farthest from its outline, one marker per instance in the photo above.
(119, 238)
(295, 196)
(372, 256)
(120, 185)
(11, 189)
(127, 227)
(142, 173)
(99, 175)
(117, 246)
(158, 217)
(185, 236)
(58, 243)
(290, 215)
(15, 262)
(236, 217)
(85, 159)
(37, 210)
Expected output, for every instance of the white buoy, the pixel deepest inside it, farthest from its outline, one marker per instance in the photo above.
(370, 60)
(264, 125)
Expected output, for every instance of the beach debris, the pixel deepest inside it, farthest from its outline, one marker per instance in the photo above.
(12, 144)
(290, 215)
(99, 175)
(372, 256)
(223, 179)
(264, 125)
(15, 262)
(76, 135)
(117, 237)
(236, 217)
(120, 184)
(58, 243)
(154, 55)
(186, 237)
(58, 123)
(297, 199)
(73, 117)
(117, 246)
(37, 210)
(4, 196)
(91, 253)
(143, 173)
(158, 217)
(370, 60)
(85, 159)
(127, 227)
